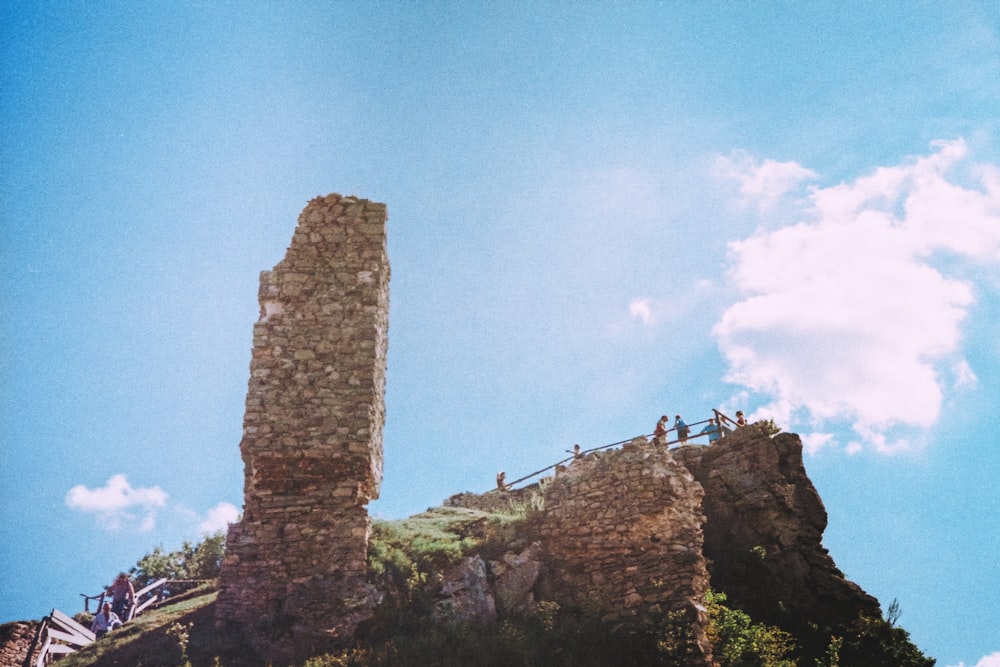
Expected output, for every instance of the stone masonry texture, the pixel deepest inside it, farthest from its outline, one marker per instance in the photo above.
(293, 578)
(639, 529)
(15, 643)
(623, 532)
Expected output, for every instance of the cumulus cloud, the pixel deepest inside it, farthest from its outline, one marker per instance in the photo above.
(118, 505)
(845, 315)
(991, 660)
(762, 184)
(219, 518)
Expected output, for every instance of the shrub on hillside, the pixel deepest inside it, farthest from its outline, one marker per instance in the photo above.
(739, 642)
(193, 561)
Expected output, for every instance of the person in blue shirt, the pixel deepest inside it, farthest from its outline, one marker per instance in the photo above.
(683, 430)
(713, 430)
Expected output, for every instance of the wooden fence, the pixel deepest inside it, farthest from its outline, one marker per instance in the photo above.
(59, 634)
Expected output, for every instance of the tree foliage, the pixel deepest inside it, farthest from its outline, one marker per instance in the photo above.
(739, 642)
(874, 642)
(193, 561)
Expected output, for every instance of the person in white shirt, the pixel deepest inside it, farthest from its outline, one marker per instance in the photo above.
(105, 621)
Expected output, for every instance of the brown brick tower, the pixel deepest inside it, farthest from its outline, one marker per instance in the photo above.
(293, 578)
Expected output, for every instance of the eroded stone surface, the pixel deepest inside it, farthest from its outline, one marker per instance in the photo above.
(294, 572)
(623, 530)
(764, 531)
(465, 595)
(515, 576)
(15, 642)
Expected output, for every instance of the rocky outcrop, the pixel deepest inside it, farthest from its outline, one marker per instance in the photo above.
(497, 501)
(514, 578)
(764, 524)
(465, 595)
(293, 577)
(641, 529)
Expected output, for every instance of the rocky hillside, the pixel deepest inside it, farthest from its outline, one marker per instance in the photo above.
(700, 555)
(764, 524)
(645, 533)
(644, 529)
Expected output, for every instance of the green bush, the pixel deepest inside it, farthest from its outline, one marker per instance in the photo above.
(193, 561)
(874, 642)
(739, 642)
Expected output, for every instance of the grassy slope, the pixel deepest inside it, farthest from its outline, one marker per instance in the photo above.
(146, 642)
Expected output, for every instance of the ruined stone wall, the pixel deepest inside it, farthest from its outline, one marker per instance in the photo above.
(623, 531)
(294, 572)
(764, 528)
(15, 642)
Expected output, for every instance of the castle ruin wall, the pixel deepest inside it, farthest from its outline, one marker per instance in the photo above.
(293, 577)
(623, 532)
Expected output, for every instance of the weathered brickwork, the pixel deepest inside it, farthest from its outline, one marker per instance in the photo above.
(15, 642)
(623, 531)
(294, 573)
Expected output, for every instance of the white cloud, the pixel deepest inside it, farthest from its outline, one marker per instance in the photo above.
(991, 660)
(845, 317)
(813, 442)
(219, 518)
(963, 374)
(762, 184)
(118, 504)
(641, 309)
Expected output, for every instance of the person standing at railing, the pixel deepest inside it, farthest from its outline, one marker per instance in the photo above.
(122, 595)
(105, 621)
(740, 419)
(683, 430)
(712, 429)
(660, 432)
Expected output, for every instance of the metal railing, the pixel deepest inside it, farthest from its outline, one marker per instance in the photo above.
(723, 423)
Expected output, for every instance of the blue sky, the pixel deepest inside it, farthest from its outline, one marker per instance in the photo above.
(598, 213)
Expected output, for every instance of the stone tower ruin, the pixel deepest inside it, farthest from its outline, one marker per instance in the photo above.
(293, 578)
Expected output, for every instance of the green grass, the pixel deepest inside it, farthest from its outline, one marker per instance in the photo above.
(427, 543)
